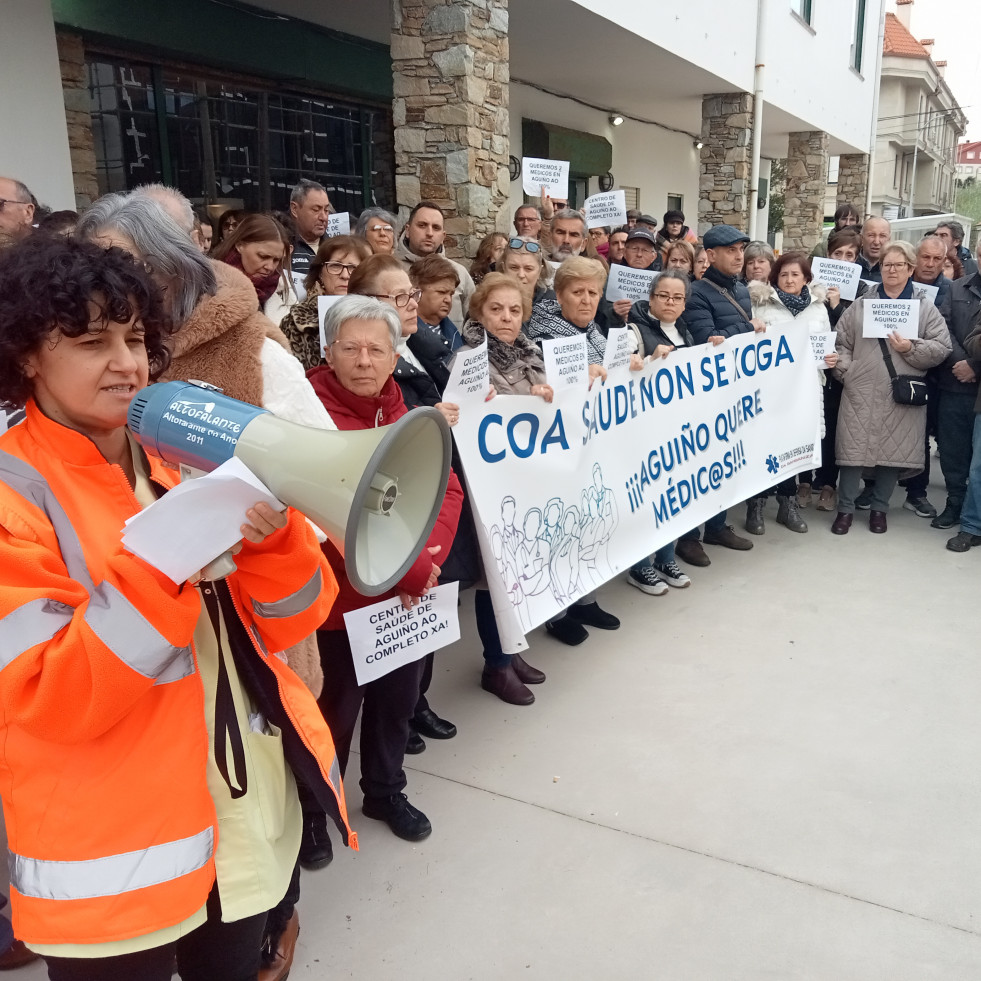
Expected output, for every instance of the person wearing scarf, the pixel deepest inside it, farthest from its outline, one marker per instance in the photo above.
(790, 296)
(258, 248)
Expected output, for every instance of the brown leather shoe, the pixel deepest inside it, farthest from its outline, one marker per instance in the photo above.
(282, 959)
(842, 523)
(16, 955)
(877, 522)
(525, 672)
(505, 683)
(727, 538)
(690, 550)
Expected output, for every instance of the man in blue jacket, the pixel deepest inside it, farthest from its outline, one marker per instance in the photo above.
(719, 306)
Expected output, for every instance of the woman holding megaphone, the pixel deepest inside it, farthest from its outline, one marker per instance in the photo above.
(150, 738)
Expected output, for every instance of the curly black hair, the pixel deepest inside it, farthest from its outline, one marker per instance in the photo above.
(47, 283)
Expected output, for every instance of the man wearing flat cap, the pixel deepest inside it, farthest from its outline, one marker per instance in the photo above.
(719, 306)
(640, 252)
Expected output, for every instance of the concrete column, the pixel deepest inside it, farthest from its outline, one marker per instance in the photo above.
(853, 180)
(34, 146)
(450, 61)
(81, 144)
(727, 131)
(807, 181)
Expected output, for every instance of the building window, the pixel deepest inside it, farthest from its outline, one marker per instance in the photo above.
(858, 43)
(632, 196)
(970, 154)
(803, 9)
(218, 140)
(676, 202)
(834, 165)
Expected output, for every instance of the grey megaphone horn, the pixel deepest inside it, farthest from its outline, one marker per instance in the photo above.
(375, 492)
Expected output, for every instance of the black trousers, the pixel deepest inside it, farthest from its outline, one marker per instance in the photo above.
(827, 473)
(215, 951)
(388, 704)
(955, 429)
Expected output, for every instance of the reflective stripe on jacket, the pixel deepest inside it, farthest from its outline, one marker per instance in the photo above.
(109, 821)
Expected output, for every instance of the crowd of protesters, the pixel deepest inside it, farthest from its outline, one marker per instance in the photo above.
(198, 856)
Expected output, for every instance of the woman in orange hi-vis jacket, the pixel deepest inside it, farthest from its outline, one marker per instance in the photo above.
(150, 733)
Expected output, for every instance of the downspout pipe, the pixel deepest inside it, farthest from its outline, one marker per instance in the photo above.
(874, 125)
(754, 174)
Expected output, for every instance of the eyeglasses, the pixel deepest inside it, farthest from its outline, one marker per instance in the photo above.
(517, 244)
(5, 201)
(337, 268)
(399, 299)
(895, 265)
(669, 297)
(380, 228)
(350, 350)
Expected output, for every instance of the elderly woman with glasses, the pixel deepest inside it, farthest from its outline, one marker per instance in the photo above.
(874, 431)
(377, 227)
(357, 387)
(330, 273)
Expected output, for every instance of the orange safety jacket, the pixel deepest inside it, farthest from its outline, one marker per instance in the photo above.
(103, 738)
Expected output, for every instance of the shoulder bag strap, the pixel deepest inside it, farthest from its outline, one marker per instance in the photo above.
(887, 358)
(729, 297)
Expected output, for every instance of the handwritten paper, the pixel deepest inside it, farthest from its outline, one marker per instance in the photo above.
(606, 209)
(469, 376)
(324, 303)
(339, 224)
(194, 522)
(882, 317)
(553, 175)
(618, 348)
(822, 344)
(625, 283)
(931, 291)
(834, 272)
(385, 636)
(566, 362)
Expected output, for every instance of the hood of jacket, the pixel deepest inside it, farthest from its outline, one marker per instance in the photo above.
(352, 411)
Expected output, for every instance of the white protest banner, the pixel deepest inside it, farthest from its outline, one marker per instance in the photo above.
(324, 303)
(566, 362)
(618, 348)
(606, 209)
(882, 317)
(553, 175)
(385, 635)
(822, 344)
(931, 291)
(568, 494)
(469, 376)
(832, 272)
(625, 283)
(339, 224)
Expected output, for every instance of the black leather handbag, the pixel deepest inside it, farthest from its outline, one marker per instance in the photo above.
(906, 389)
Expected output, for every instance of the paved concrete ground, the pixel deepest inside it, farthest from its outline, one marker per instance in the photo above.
(770, 775)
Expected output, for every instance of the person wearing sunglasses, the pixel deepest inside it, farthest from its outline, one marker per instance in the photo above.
(329, 275)
(524, 260)
(16, 209)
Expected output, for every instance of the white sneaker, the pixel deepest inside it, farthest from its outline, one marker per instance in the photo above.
(647, 581)
(672, 574)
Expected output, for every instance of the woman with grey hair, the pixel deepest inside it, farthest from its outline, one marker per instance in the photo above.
(377, 227)
(758, 260)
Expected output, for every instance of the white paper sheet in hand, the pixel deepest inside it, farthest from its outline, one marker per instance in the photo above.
(194, 522)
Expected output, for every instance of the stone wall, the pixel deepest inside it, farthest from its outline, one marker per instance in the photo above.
(450, 61)
(807, 181)
(724, 160)
(74, 84)
(853, 180)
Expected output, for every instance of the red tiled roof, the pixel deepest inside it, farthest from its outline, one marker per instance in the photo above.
(898, 40)
(964, 148)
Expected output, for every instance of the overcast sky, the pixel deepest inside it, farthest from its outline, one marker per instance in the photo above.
(956, 27)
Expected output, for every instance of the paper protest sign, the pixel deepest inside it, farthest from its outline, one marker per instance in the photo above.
(298, 287)
(617, 348)
(871, 284)
(385, 636)
(566, 362)
(606, 209)
(339, 224)
(882, 317)
(324, 303)
(822, 344)
(931, 291)
(625, 283)
(833, 272)
(469, 376)
(553, 175)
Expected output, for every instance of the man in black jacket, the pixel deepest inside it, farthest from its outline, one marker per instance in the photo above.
(970, 534)
(719, 306)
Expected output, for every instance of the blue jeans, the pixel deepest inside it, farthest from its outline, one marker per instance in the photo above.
(971, 512)
(664, 554)
(713, 524)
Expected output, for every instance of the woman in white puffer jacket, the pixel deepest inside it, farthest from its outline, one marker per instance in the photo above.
(790, 297)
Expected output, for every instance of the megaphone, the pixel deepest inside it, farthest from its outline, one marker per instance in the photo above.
(375, 492)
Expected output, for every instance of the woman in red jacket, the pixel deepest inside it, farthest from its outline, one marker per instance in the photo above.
(150, 732)
(358, 390)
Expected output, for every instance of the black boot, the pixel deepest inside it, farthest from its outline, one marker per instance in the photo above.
(316, 850)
